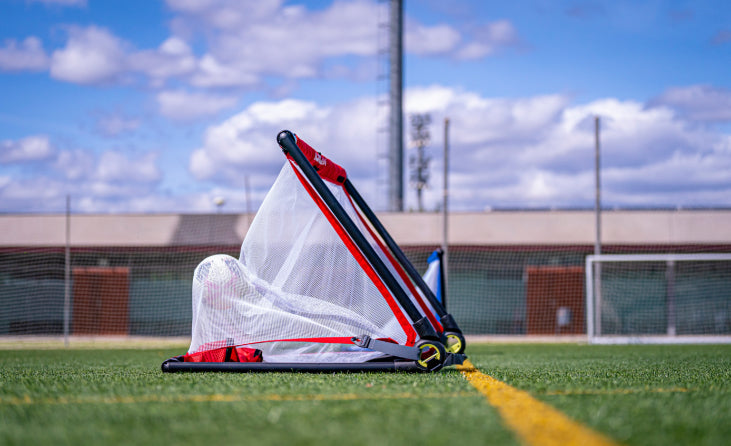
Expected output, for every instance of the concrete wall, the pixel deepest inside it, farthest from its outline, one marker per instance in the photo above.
(563, 227)
(487, 228)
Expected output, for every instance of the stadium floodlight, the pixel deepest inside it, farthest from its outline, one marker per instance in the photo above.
(320, 285)
(658, 298)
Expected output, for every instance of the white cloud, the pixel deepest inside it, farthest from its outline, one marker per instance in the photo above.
(681, 179)
(173, 58)
(247, 43)
(28, 55)
(37, 194)
(212, 73)
(110, 180)
(223, 14)
(31, 148)
(245, 144)
(183, 105)
(48, 194)
(92, 55)
(245, 141)
(251, 45)
(114, 124)
(115, 167)
(506, 152)
(488, 39)
(477, 119)
(539, 151)
(246, 40)
(423, 40)
(75, 164)
(698, 102)
(530, 187)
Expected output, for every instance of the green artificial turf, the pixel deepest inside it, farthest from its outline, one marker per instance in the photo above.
(633, 394)
(643, 395)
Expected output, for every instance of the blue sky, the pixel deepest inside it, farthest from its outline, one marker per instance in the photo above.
(160, 106)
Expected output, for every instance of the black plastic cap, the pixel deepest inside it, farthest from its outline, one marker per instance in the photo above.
(282, 136)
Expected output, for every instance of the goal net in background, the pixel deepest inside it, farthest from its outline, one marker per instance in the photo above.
(516, 290)
(658, 298)
(118, 276)
(133, 290)
(131, 275)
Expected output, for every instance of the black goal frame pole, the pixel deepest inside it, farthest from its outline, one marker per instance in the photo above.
(421, 324)
(446, 319)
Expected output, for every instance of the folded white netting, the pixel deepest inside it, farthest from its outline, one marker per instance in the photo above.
(295, 279)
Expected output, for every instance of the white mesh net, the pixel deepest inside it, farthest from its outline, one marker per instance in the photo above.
(412, 291)
(295, 279)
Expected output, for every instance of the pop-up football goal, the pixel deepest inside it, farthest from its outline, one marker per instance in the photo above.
(319, 285)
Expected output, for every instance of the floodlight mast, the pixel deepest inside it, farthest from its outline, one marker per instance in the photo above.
(396, 130)
(421, 324)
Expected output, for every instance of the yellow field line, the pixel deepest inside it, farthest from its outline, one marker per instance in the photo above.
(534, 422)
(206, 398)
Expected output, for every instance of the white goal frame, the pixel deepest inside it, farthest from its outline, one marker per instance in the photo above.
(593, 301)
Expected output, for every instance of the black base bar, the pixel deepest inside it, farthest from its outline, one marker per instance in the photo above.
(174, 366)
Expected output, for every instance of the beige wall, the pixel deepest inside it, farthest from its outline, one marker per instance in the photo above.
(564, 227)
(488, 228)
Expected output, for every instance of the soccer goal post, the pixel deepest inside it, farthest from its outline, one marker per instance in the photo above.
(658, 298)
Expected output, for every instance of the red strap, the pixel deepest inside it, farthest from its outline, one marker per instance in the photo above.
(327, 169)
(225, 354)
(246, 354)
(359, 257)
